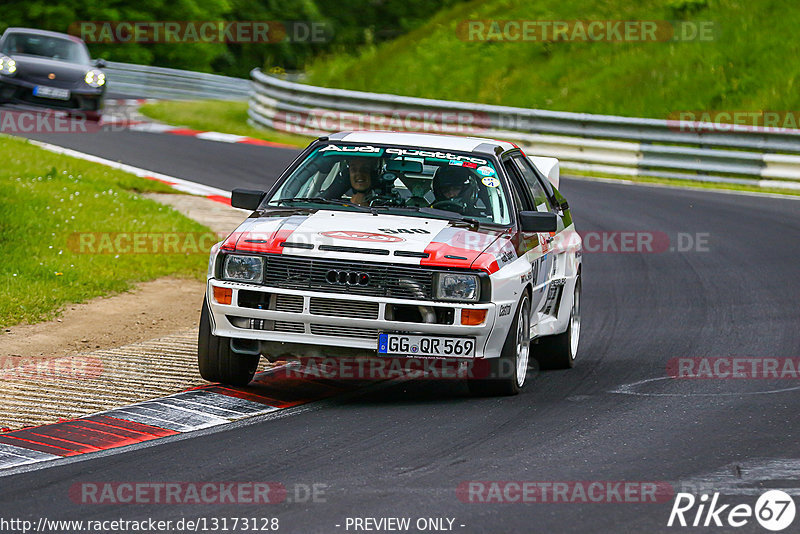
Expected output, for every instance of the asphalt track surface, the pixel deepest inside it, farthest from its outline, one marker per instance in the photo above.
(402, 449)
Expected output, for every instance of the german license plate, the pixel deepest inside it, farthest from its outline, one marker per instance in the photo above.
(414, 345)
(51, 92)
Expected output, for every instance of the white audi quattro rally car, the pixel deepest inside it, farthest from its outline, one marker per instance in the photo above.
(400, 245)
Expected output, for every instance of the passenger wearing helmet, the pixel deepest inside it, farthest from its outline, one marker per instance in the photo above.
(453, 187)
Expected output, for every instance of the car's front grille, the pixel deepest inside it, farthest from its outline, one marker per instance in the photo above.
(43, 79)
(290, 327)
(343, 331)
(352, 309)
(357, 278)
(52, 103)
(289, 303)
(267, 324)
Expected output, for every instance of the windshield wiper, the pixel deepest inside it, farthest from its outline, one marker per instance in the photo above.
(322, 200)
(468, 221)
(452, 216)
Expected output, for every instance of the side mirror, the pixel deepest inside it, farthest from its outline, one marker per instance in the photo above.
(100, 63)
(247, 199)
(537, 221)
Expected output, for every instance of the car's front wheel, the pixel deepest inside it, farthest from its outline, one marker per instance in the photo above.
(506, 375)
(215, 359)
(560, 351)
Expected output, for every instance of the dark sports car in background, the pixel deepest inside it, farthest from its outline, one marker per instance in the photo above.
(52, 70)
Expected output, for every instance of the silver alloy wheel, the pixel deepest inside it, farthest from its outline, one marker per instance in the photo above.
(523, 341)
(575, 321)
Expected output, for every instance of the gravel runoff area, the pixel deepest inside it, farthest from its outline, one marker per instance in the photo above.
(110, 351)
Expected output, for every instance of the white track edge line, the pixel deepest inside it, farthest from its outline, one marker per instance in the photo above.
(180, 184)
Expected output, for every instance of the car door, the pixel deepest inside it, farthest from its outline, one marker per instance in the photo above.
(540, 192)
(527, 244)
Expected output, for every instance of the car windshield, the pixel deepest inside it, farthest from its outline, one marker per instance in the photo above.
(31, 44)
(397, 179)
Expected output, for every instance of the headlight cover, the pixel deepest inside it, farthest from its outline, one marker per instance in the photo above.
(243, 268)
(458, 287)
(7, 66)
(95, 78)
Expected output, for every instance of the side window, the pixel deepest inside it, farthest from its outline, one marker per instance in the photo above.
(521, 200)
(532, 181)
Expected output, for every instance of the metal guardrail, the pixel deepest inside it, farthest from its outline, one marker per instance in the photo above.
(158, 82)
(584, 142)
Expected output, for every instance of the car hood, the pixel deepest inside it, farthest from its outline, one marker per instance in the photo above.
(38, 69)
(384, 238)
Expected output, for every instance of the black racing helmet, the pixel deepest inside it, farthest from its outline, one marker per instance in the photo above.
(452, 176)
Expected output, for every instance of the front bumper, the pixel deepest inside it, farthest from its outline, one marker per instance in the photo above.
(18, 91)
(316, 323)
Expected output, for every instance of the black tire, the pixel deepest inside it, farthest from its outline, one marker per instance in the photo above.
(215, 359)
(506, 375)
(559, 351)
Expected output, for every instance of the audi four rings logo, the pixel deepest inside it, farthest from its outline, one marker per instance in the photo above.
(347, 278)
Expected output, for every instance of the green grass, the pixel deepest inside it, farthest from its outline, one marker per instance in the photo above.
(46, 200)
(751, 63)
(217, 116)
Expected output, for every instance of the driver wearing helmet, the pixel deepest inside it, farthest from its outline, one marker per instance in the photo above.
(456, 185)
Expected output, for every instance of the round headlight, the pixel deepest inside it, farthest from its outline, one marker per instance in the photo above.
(7, 66)
(95, 78)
